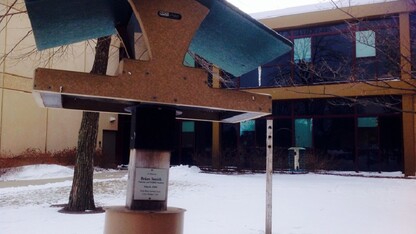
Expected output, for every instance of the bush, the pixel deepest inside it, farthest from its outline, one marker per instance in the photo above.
(254, 160)
(30, 156)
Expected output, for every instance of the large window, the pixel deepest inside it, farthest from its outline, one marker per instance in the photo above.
(333, 58)
(303, 133)
(302, 49)
(365, 50)
(340, 134)
(413, 41)
(365, 44)
(334, 140)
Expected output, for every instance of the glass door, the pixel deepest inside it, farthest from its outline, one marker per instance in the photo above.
(368, 144)
(303, 133)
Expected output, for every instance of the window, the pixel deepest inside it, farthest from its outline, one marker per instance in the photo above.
(188, 126)
(303, 133)
(333, 57)
(413, 42)
(247, 126)
(302, 49)
(367, 122)
(365, 44)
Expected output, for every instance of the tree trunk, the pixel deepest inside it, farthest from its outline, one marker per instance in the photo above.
(81, 197)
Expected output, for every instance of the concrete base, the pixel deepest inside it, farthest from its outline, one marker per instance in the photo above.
(119, 219)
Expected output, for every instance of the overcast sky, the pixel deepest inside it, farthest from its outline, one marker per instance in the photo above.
(252, 6)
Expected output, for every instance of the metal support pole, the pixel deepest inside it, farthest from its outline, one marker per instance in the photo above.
(269, 174)
(146, 210)
(152, 134)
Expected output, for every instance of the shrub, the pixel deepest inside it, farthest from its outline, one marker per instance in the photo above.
(64, 157)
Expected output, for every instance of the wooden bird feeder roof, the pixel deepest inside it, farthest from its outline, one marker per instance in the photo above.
(212, 29)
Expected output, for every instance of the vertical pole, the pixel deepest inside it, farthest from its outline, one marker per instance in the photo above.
(216, 127)
(151, 141)
(269, 174)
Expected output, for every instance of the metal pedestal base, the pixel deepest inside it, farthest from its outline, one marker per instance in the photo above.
(122, 220)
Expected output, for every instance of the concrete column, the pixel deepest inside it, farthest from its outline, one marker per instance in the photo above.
(146, 210)
(216, 145)
(216, 127)
(409, 132)
(408, 101)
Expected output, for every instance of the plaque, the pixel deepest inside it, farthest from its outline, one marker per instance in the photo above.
(150, 184)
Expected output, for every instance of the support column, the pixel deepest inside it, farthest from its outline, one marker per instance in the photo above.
(408, 101)
(216, 145)
(216, 127)
(151, 141)
(409, 132)
(146, 211)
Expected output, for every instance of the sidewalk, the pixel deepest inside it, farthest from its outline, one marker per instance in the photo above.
(97, 175)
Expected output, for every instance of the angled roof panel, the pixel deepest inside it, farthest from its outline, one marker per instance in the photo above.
(234, 41)
(227, 37)
(62, 22)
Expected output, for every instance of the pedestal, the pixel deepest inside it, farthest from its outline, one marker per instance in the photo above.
(146, 211)
(122, 220)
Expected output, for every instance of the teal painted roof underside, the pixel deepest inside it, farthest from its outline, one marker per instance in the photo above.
(227, 37)
(62, 22)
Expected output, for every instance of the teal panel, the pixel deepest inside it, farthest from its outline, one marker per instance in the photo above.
(234, 41)
(227, 37)
(367, 122)
(303, 132)
(189, 61)
(247, 126)
(365, 44)
(302, 49)
(62, 22)
(188, 126)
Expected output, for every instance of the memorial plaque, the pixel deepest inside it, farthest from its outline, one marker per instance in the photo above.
(151, 184)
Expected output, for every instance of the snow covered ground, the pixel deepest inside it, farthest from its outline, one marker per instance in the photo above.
(302, 203)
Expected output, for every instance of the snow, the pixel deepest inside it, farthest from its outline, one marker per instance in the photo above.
(215, 203)
(35, 172)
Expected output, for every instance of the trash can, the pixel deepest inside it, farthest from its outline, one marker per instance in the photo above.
(296, 158)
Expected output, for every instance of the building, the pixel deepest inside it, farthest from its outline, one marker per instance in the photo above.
(23, 125)
(345, 93)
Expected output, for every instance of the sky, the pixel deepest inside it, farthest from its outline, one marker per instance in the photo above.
(254, 6)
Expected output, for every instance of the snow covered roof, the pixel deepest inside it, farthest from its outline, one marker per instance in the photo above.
(328, 5)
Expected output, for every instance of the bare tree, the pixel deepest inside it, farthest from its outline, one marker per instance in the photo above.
(81, 197)
(330, 58)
